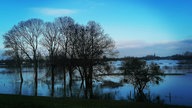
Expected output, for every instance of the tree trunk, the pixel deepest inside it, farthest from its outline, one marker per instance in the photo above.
(20, 70)
(52, 81)
(71, 79)
(91, 81)
(86, 82)
(20, 88)
(81, 74)
(21, 77)
(52, 73)
(64, 80)
(36, 73)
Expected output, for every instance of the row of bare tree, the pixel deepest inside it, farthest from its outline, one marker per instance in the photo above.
(65, 43)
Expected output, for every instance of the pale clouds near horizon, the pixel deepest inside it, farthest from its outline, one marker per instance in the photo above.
(140, 48)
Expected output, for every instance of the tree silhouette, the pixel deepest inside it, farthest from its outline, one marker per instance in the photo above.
(140, 74)
(66, 30)
(31, 31)
(13, 42)
(91, 46)
(79, 47)
(50, 42)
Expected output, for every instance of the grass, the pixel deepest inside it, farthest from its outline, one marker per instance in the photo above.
(16, 101)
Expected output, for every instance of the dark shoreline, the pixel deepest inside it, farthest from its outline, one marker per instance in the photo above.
(18, 101)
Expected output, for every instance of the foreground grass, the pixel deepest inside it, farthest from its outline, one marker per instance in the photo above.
(15, 101)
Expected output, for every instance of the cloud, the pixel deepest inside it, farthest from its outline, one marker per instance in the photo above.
(131, 44)
(55, 11)
(160, 49)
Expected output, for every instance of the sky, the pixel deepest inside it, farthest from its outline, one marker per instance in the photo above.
(139, 27)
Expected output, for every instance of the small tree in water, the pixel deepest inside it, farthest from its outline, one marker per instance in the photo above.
(140, 74)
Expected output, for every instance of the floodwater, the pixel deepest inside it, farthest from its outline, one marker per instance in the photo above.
(175, 89)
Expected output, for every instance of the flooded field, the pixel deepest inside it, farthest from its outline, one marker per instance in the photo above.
(175, 89)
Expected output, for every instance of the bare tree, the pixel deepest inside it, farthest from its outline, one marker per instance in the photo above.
(80, 47)
(50, 42)
(100, 45)
(31, 31)
(66, 28)
(13, 42)
(91, 46)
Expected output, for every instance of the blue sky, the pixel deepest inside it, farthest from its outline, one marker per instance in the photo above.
(139, 27)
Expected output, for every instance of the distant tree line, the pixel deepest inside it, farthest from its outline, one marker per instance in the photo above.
(63, 43)
(185, 56)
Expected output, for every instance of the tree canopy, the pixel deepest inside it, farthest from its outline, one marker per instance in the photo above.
(77, 46)
(140, 74)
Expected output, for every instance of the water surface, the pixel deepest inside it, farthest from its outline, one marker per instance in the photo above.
(175, 89)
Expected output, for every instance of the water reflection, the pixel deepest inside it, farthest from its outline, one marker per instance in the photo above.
(176, 89)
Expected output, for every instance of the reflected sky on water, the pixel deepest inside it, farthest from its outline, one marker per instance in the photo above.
(175, 89)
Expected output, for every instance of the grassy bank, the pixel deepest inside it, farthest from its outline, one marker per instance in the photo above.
(15, 101)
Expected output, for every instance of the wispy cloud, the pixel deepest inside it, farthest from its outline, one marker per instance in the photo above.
(55, 11)
(131, 44)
